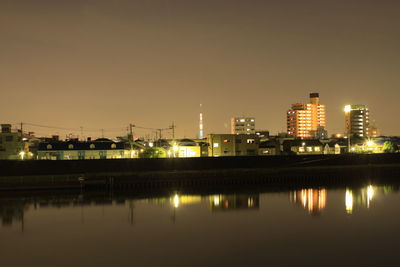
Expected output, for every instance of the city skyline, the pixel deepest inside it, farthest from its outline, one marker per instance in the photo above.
(100, 65)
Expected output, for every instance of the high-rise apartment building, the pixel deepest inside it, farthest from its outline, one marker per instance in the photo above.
(243, 125)
(356, 120)
(307, 120)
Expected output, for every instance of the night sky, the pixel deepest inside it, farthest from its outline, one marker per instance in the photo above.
(105, 64)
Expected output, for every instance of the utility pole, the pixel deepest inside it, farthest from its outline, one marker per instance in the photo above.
(348, 142)
(131, 138)
(173, 126)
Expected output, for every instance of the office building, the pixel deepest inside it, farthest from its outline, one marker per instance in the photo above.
(356, 120)
(307, 120)
(243, 125)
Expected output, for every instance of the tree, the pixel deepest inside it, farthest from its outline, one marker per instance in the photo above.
(388, 147)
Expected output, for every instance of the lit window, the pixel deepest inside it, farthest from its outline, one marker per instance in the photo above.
(301, 149)
(216, 145)
(92, 146)
(309, 149)
(317, 149)
(70, 146)
(113, 146)
(49, 146)
(226, 140)
(250, 141)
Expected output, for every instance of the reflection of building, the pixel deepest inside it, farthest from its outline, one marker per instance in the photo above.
(180, 200)
(243, 125)
(234, 202)
(357, 120)
(307, 120)
(313, 200)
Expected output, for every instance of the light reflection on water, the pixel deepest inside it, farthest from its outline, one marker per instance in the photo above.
(313, 200)
(255, 217)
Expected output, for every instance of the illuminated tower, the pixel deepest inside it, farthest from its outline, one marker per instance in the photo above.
(307, 120)
(201, 132)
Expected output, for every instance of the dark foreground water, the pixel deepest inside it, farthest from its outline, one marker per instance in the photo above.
(357, 226)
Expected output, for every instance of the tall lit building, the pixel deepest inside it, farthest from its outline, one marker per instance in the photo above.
(307, 120)
(243, 125)
(356, 120)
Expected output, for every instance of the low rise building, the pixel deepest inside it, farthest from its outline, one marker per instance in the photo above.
(269, 148)
(188, 148)
(12, 146)
(233, 145)
(303, 147)
(74, 150)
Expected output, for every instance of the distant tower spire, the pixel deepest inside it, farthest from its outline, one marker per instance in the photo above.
(201, 133)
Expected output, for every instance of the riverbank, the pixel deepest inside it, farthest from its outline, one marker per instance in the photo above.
(306, 171)
(86, 167)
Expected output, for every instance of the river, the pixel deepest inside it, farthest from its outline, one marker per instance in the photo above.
(248, 227)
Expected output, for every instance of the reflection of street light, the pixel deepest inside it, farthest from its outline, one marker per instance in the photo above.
(347, 108)
(349, 201)
(169, 153)
(151, 144)
(370, 143)
(176, 201)
(22, 154)
(176, 148)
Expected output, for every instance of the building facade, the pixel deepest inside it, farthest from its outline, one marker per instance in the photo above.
(11, 144)
(232, 145)
(356, 120)
(307, 120)
(74, 150)
(243, 125)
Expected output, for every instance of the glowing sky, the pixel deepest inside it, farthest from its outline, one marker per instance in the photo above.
(105, 64)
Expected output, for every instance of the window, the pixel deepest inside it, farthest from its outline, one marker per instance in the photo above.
(227, 141)
(309, 149)
(70, 146)
(49, 146)
(9, 138)
(92, 146)
(317, 149)
(250, 141)
(215, 145)
(301, 149)
(238, 141)
(113, 146)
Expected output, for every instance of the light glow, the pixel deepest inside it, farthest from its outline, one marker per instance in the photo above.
(349, 201)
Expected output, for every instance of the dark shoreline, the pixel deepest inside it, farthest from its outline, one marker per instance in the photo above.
(186, 174)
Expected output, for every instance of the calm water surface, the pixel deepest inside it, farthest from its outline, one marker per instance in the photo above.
(303, 226)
